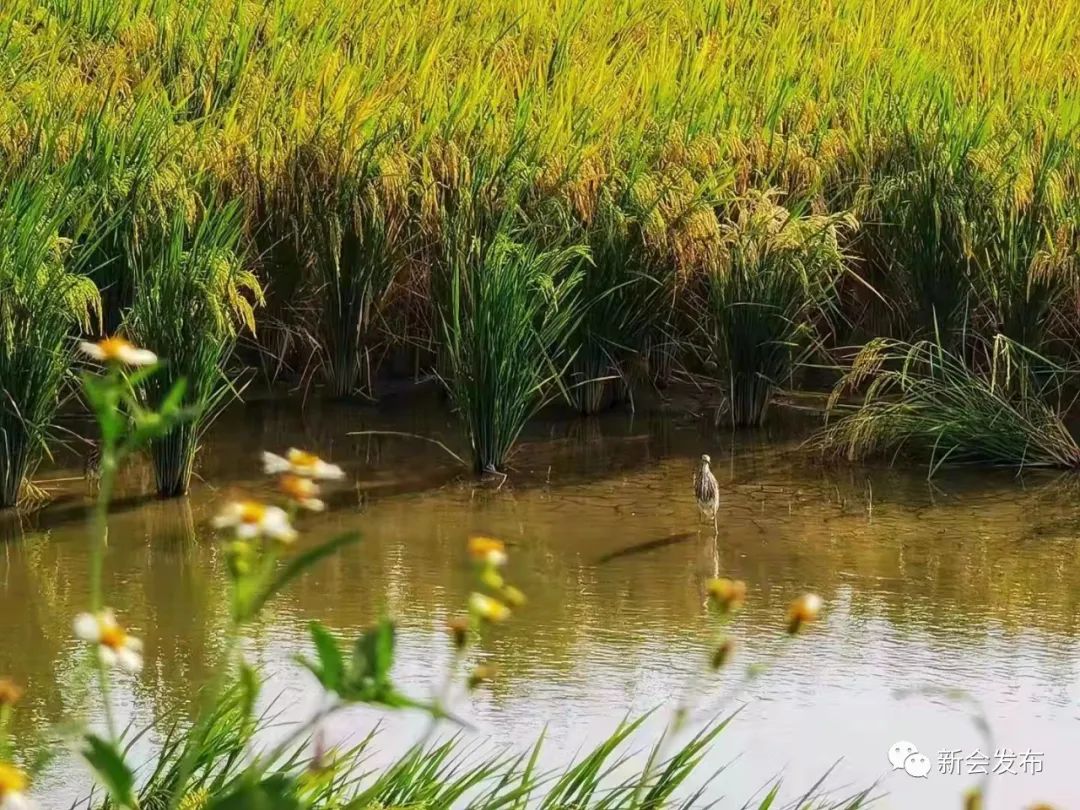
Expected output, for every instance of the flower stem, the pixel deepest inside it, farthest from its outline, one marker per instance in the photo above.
(97, 565)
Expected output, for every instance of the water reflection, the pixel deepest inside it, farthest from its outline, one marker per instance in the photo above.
(973, 583)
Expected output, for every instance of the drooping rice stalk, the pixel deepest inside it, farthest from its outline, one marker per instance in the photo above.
(774, 282)
(508, 310)
(41, 302)
(192, 297)
(921, 399)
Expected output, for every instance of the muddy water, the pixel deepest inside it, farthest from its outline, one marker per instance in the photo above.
(971, 584)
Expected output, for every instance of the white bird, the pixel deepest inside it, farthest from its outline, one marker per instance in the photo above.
(706, 490)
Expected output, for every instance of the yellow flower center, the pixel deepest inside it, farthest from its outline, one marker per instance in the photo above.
(12, 780)
(297, 488)
(480, 546)
(729, 594)
(252, 512)
(113, 637)
(112, 347)
(298, 458)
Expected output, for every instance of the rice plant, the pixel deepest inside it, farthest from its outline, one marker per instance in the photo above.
(923, 400)
(1026, 253)
(773, 284)
(129, 184)
(920, 107)
(917, 232)
(620, 297)
(192, 297)
(42, 301)
(349, 219)
(509, 307)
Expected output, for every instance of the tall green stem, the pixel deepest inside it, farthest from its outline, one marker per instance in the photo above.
(97, 566)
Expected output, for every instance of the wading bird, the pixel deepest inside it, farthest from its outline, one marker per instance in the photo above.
(706, 490)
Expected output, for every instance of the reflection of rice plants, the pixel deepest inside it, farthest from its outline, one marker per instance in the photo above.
(774, 281)
(919, 398)
(41, 302)
(191, 299)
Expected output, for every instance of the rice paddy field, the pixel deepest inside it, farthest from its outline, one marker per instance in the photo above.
(732, 188)
(702, 209)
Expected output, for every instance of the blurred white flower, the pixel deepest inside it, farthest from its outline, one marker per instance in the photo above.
(802, 611)
(299, 462)
(16, 800)
(486, 608)
(302, 491)
(118, 350)
(115, 647)
(251, 519)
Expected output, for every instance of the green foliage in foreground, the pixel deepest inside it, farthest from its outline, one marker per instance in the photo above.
(427, 776)
(923, 399)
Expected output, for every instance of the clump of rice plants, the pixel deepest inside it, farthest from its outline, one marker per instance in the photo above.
(1026, 253)
(921, 399)
(129, 187)
(619, 295)
(349, 228)
(917, 229)
(280, 101)
(192, 297)
(42, 301)
(509, 306)
(776, 276)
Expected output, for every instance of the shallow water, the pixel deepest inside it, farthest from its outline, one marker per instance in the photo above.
(973, 583)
